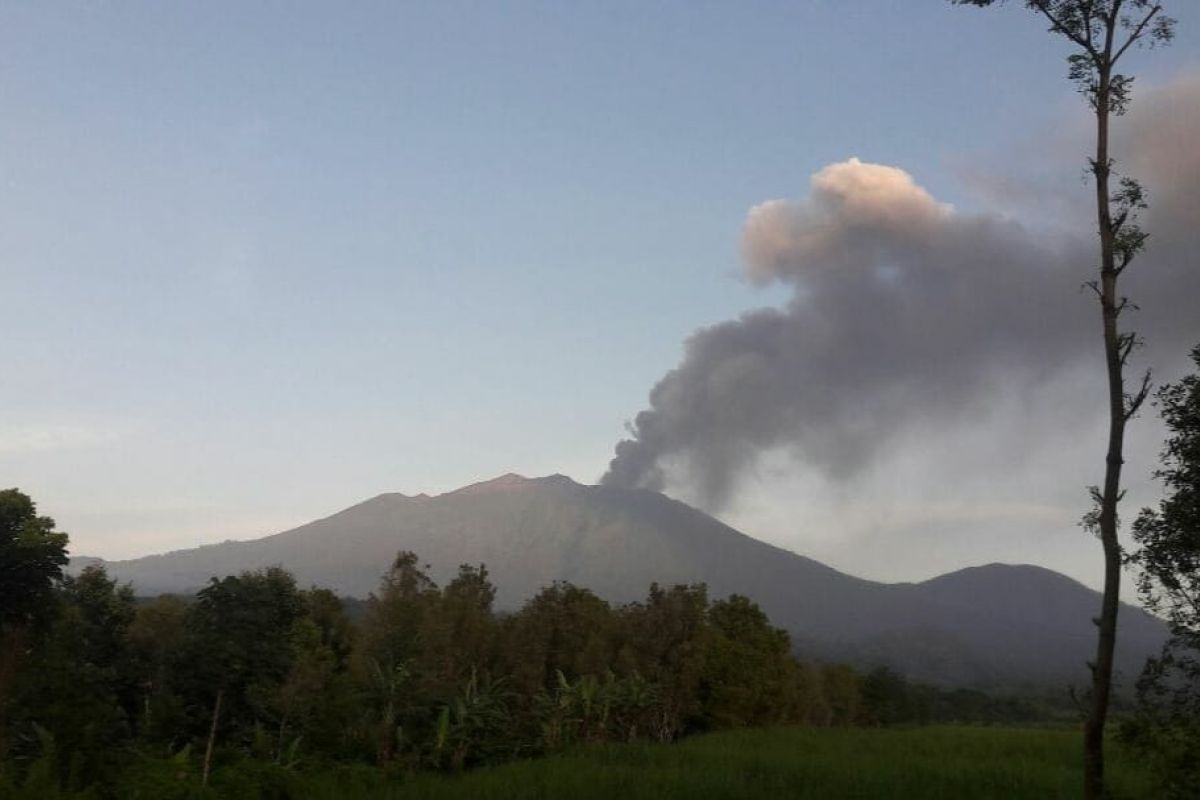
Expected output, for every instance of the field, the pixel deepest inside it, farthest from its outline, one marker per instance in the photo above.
(822, 764)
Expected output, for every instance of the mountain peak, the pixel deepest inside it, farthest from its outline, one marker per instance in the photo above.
(1001, 575)
(509, 482)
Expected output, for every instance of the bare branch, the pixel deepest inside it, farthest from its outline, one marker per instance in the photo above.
(1137, 33)
(1133, 403)
(1125, 303)
(1126, 342)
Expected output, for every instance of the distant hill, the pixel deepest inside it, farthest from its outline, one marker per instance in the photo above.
(996, 625)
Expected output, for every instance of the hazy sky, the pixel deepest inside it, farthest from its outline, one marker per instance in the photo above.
(261, 261)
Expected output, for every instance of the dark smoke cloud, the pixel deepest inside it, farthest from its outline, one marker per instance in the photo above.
(904, 313)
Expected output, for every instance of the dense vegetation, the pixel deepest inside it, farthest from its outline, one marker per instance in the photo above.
(255, 676)
(1167, 725)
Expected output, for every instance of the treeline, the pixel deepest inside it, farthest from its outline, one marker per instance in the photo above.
(254, 676)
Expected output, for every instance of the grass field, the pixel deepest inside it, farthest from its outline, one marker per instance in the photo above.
(954, 763)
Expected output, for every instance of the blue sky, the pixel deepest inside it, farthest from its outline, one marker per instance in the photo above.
(265, 260)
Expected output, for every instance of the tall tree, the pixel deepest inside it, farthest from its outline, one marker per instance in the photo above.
(74, 686)
(388, 656)
(1169, 536)
(749, 676)
(1103, 31)
(156, 636)
(32, 555)
(238, 646)
(670, 635)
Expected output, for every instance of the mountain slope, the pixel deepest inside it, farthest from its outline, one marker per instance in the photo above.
(985, 625)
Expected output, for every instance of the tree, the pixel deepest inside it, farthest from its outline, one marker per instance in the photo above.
(1168, 559)
(389, 651)
(749, 677)
(239, 645)
(32, 555)
(887, 698)
(75, 687)
(562, 629)
(1103, 31)
(155, 637)
(461, 632)
(670, 635)
(1169, 537)
(314, 704)
(841, 688)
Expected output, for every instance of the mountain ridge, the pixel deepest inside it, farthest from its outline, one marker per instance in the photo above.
(993, 624)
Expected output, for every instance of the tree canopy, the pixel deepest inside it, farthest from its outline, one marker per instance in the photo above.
(32, 557)
(1168, 560)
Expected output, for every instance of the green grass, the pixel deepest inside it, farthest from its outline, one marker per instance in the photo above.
(955, 763)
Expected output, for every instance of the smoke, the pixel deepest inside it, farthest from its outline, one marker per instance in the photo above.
(904, 315)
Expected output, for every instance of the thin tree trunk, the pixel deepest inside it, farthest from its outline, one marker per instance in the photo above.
(149, 688)
(1102, 668)
(279, 739)
(212, 737)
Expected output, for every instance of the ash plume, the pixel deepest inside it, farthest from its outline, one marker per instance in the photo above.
(904, 313)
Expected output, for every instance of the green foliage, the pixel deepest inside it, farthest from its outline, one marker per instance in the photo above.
(1167, 727)
(561, 629)
(474, 727)
(74, 690)
(154, 641)
(1087, 24)
(41, 779)
(888, 699)
(32, 555)
(842, 690)
(237, 650)
(669, 640)
(1168, 537)
(388, 662)
(239, 626)
(749, 677)
(170, 776)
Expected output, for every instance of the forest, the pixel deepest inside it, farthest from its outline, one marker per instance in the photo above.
(257, 679)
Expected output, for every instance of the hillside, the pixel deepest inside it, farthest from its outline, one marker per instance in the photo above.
(990, 625)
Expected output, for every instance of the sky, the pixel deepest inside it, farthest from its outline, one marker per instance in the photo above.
(263, 261)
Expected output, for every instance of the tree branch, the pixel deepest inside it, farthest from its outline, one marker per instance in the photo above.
(1119, 221)
(1137, 33)
(1134, 402)
(1125, 259)
(1059, 27)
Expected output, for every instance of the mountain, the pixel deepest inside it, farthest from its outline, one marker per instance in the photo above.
(996, 625)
